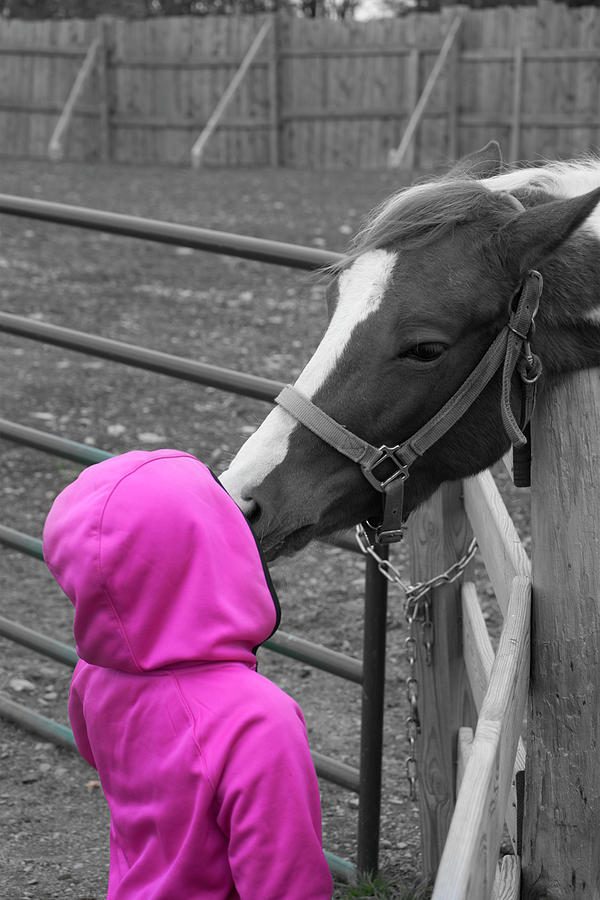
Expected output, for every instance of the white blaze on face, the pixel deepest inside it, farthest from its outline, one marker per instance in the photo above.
(361, 289)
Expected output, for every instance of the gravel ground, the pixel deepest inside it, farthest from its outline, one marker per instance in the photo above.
(246, 316)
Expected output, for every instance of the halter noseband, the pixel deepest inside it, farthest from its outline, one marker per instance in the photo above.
(511, 346)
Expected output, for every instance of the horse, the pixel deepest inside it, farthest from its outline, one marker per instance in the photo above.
(433, 280)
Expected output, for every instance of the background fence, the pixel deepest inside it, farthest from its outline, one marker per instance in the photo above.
(317, 93)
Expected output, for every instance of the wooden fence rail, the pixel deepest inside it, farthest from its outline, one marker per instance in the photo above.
(470, 859)
(548, 800)
(471, 787)
(316, 94)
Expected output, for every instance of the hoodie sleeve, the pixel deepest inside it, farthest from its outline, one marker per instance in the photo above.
(271, 812)
(77, 718)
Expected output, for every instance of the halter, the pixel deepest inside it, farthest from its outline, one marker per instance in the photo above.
(511, 347)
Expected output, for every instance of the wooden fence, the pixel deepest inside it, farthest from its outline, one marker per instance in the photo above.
(475, 787)
(315, 94)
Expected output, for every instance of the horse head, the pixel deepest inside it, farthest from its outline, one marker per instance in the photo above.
(424, 290)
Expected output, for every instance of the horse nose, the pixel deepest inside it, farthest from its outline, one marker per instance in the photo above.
(241, 495)
(249, 507)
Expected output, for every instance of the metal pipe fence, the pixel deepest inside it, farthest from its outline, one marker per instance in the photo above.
(366, 779)
(275, 252)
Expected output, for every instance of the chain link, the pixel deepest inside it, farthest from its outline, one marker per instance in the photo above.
(417, 608)
(413, 593)
(413, 725)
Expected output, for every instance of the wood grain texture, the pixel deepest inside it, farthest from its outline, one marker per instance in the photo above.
(497, 537)
(228, 95)
(477, 646)
(57, 139)
(468, 866)
(507, 885)
(345, 91)
(479, 661)
(396, 157)
(463, 754)
(561, 842)
(439, 534)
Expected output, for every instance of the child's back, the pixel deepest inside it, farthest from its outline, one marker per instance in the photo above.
(204, 763)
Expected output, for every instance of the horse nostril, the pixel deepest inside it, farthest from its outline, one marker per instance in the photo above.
(240, 494)
(249, 507)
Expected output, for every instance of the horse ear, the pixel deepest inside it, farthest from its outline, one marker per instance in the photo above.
(484, 163)
(531, 236)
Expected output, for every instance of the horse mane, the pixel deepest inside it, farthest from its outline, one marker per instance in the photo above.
(419, 215)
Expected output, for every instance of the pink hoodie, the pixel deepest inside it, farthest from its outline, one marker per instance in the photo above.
(204, 763)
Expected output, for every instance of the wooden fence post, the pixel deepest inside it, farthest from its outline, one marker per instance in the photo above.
(397, 156)
(56, 144)
(517, 102)
(104, 24)
(439, 534)
(274, 104)
(561, 839)
(453, 99)
(217, 113)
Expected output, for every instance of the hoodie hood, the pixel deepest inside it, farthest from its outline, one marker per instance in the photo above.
(160, 564)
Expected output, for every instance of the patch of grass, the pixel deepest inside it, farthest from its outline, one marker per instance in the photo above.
(384, 886)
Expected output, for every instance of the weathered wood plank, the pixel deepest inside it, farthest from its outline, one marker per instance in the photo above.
(103, 89)
(439, 535)
(274, 95)
(56, 144)
(43, 50)
(463, 753)
(343, 91)
(198, 148)
(477, 647)
(499, 543)
(468, 865)
(507, 885)
(479, 661)
(396, 156)
(562, 776)
(517, 103)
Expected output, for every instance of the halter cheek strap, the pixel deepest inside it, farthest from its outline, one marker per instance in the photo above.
(511, 347)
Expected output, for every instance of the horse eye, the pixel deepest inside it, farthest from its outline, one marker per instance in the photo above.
(426, 352)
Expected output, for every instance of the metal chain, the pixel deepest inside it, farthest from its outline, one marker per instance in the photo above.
(413, 724)
(414, 592)
(417, 608)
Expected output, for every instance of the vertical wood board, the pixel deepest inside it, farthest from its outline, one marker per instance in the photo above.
(562, 778)
(468, 866)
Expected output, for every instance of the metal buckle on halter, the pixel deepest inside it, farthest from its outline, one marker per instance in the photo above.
(528, 285)
(385, 454)
(389, 535)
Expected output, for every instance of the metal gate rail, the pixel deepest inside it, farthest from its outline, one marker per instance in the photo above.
(366, 780)
(275, 252)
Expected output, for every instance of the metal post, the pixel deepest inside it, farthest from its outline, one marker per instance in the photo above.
(371, 736)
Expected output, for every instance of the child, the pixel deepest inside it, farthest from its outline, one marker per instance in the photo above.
(204, 763)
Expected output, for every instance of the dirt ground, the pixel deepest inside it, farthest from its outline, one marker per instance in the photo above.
(243, 315)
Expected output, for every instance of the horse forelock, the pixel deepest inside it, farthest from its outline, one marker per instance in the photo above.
(422, 214)
(419, 215)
